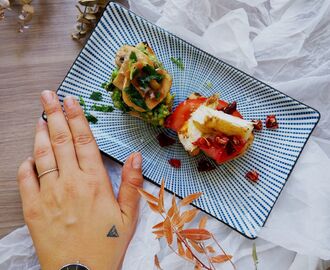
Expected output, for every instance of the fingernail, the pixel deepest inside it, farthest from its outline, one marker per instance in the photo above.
(47, 97)
(30, 158)
(69, 101)
(137, 161)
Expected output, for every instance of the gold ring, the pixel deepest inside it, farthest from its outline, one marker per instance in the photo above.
(48, 171)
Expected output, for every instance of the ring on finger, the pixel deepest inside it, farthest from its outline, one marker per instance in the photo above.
(48, 171)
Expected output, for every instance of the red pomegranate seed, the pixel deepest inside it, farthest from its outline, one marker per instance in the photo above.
(202, 142)
(221, 140)
(271, 122)
(257, 124)
(230, 108)
(175, 163)
(164, 140)
(205, 166)
(252, 176)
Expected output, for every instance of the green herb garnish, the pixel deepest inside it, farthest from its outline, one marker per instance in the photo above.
(91, 118)
(157, 95)
(135, 97)
(178, 62)
(150, 74)
(102, 108)
(208, 85)
(133, 57)
(97, 96)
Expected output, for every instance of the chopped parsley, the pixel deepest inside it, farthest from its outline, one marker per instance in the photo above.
(178, 62)
(82, 102)
(133, 57)
(91, 118)
(102, 108)
(97, 96)
(150, 74)
(208, 84)
(157, 95)
(135, 97)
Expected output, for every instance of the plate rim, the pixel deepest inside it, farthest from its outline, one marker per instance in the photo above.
(120, 6)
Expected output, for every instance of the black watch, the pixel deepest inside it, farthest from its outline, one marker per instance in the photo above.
(74, 266)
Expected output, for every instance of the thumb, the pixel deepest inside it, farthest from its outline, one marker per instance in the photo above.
(129, 197)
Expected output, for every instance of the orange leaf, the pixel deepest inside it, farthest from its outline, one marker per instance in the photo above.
(161, 197)
(180, 247)
(210, 249)
(202, 222)
(159, 233)
(147, 196)
(189, 255)
(196, 234)
(157, 264)
(221, 258)
(153, 207)
(176, 218)
(190, 198)
(159, 225)
(196, 246)
(187, 216)
(174, 208)
(168, 230)
(198, 266)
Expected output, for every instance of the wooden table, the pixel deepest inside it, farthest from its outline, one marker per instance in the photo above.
(29, 63)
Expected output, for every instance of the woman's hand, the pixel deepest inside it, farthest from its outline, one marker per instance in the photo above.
(72, 213)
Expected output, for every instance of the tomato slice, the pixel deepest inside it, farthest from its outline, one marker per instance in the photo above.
(183, 111)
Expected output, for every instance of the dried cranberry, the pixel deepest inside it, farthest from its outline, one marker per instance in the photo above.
(203, 142)
(252, 176)
(221, 140)
(271, 122)
(257, 124)
(230, 108)
(175, 163)
(230, 149)
(205, 166)
(164, 140)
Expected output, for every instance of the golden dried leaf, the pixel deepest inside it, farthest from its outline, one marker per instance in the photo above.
(189, 255)
(147, 196)
(202, 222)
(158, 225)
(28, 9)
(168, 231)
(161, 197)
(176, 218)
(220, 258)
(180, 248)
(25, 2)
(196, 234)
(196, 246)
(153, 207)
(82, 19)
(187, 216)
(87, 3)
(90, 16)
(157, 264)
(190, 198)
(210, 249)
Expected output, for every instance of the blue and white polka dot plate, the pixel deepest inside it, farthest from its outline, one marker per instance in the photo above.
(228, 195)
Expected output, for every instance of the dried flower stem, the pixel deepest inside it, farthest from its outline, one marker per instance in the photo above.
(224, 252)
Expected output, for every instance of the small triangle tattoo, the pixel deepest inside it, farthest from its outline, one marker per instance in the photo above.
(113, 232)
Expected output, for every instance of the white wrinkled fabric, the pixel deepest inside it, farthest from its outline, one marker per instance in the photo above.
(285, 43)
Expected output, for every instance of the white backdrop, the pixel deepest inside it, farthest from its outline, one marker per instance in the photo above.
(286, 44)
